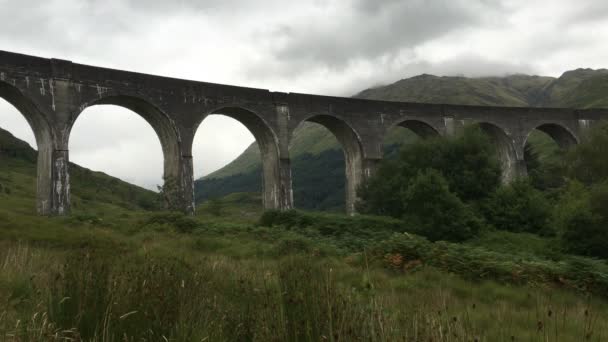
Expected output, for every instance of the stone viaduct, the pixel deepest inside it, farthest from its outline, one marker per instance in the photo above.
(52, 93)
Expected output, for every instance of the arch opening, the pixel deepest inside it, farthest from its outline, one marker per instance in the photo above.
(505, 149)
(404, 133)
(111, 137)
(326, 157)
(544, 149)
(36, 121)
(15, 102)
(243, 158)
(562, 136)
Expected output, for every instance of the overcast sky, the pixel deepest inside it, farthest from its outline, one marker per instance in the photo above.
(332, 47)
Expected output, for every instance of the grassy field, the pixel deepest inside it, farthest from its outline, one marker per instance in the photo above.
(114, 274)
(113, 271)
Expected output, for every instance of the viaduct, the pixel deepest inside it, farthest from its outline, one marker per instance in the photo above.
(52, 93)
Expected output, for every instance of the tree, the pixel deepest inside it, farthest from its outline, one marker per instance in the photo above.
(585, 222)
(588, 161)
(468, 162)
(437, 213)
(518, 207)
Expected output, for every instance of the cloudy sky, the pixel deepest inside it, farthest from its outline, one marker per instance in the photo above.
(333, 47)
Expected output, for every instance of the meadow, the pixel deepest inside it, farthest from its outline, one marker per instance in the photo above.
(143, 276)
(117, 269)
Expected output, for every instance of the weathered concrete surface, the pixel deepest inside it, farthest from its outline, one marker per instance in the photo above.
(52, 93)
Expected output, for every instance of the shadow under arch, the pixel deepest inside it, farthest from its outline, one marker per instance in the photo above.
(162, 125)
(45, 143)
(403, 132)
(560, 134)
(421, 128)
(350, 141)
(272, 189)
(505, 149)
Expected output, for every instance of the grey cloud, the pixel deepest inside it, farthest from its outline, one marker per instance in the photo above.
(366, 29)
(464, 65)
(201, 6)
(589, 11)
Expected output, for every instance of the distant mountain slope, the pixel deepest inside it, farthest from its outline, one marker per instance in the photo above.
(581, 88)
(516, 90)
(89, 188)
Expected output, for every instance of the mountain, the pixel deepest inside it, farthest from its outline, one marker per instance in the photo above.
(317, 159)
(90, 190)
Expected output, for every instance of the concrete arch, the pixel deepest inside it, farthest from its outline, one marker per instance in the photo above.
(562, 135)
(267, 140)
(165, 129)
(45, 141)
(352, 146)
(505, 146)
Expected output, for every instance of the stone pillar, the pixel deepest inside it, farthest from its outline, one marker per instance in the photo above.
(276, 180)
(53, 182)
(285, 188)
(186, 191)
(357, 172)
(521, 170)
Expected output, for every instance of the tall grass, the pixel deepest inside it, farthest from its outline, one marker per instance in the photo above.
(94, 295)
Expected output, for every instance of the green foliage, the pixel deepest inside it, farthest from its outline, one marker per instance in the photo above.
(480, 263)
(215, 207)
(437, 213)
(518, 207)
(346, 233)
(177, 220)
(587, 162)
(585, 222)
(544, 162)
(468, 162)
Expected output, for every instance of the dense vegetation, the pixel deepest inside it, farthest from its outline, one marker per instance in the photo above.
(113, 271)
(450, 189)
(581, 88)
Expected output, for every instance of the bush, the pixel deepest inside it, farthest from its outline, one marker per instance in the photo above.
(587, 162)
(468, 163)
(479, 263)
(585, 225)
(437, 213)
(350, 233)
(179, 221)
(518, 207)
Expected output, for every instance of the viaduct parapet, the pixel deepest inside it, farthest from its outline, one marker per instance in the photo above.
(52, 93)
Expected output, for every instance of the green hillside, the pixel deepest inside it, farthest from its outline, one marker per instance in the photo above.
(91, 191)
(581, 88)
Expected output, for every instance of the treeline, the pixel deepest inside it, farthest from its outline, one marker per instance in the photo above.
(450, 189)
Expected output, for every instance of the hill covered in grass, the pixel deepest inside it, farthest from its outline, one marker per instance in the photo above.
(317, 159)
(90, 189)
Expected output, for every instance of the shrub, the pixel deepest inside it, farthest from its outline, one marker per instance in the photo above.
(585, 225)
(349, 233)
(587, 161)
(468, 163)
(479, 263)
(437, 213)
(518, 207)
(181, 222)
(293, 244)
